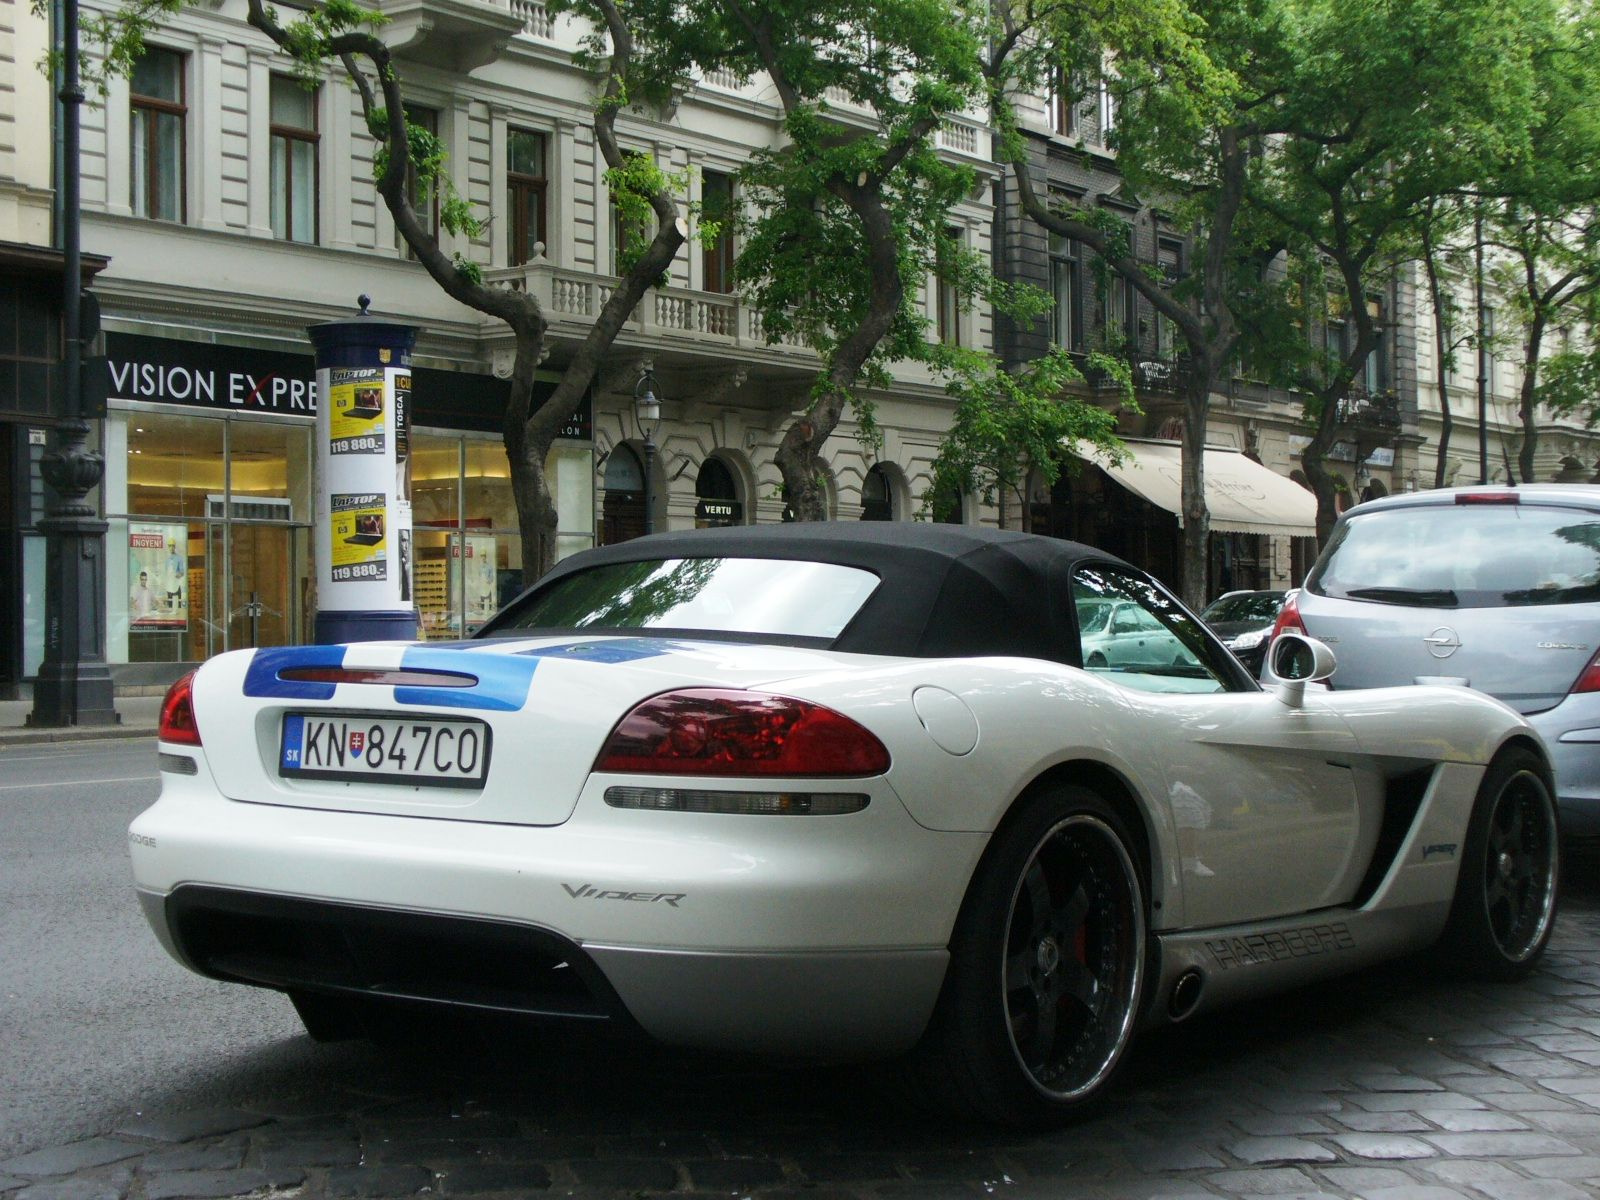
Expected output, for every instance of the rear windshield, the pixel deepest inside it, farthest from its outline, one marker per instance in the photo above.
(1464, 556)
(774, 597)
(1248, 606)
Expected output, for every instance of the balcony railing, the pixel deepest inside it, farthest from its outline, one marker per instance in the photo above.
(1367, 410)
(536, 19)
(709, 318)
(1164, 376)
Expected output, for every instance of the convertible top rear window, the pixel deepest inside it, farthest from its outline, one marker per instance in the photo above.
(774, 597)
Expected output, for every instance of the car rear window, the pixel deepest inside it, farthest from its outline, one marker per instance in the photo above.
(1464, 556)
(1247, 606)
(776, 597)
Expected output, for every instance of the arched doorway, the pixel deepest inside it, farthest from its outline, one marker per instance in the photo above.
(717, 500)
(622, 515)
(877, 495)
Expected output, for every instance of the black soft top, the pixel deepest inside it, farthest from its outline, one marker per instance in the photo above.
(946, 591)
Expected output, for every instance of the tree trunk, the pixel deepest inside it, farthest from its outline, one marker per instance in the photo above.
(1321, 480)
(1527, 409)
(1196, 516)
(1442, 349)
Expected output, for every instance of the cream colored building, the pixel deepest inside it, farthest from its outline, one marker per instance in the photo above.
(236, 209)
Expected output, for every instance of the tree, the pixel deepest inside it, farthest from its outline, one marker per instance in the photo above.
(1188, 133)
(1388, 106)
(1008, 424)
(1440, 224)
(1546, 219)
(846, 218)
(343, 32)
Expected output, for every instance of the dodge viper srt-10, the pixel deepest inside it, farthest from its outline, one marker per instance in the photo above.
(843, 791)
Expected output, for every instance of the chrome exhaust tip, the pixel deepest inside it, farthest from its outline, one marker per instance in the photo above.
(1185, 994)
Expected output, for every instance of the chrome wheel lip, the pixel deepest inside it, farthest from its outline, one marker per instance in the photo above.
(1500, 862)
(1134, 990)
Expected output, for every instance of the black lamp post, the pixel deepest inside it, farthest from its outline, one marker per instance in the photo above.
(647, 412)
(74, 685)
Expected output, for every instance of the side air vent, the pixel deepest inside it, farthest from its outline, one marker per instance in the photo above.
(1401, 803)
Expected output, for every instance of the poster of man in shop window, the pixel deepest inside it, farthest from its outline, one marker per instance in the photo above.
(158, 572)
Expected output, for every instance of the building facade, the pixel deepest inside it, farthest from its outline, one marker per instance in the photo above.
(234, 208)
(226, 208)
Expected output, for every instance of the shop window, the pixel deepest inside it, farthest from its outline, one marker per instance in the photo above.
(294, 160)
(156, 131)
(717, 501)
(468, 552)
(877, 495)
(209, 547)
(525, 193)
(717, 206)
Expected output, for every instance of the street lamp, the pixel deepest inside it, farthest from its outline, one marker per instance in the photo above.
(647, 412)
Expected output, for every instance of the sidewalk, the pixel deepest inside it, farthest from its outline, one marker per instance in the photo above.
(139, 717)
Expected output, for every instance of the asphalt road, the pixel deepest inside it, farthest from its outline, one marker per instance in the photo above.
(96, 1019)
(123, 1076)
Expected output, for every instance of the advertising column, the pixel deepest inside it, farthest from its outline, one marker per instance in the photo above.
(363, 480)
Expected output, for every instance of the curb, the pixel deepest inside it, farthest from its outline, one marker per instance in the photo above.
(73, 733)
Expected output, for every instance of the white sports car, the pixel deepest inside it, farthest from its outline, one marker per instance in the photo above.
(838, 790)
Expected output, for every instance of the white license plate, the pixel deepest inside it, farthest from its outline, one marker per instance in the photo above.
(422, 751)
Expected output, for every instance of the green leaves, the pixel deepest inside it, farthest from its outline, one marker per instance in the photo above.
(1007, 424)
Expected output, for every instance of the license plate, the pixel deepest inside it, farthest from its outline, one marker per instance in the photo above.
(423, 752)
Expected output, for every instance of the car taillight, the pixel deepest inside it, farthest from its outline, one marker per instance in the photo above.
(1289, 619)
(1589, 678)
(712, 731)
(1488, 498)
(177, 714)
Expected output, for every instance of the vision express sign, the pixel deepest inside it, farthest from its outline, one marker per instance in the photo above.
(235, 379)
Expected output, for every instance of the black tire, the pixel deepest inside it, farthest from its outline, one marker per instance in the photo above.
(1097, 661)
(1047, 967)
(331, 1018)
(1506, 894)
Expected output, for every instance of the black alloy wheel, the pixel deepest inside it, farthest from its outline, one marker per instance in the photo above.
(1505, 902)
(1047, 967)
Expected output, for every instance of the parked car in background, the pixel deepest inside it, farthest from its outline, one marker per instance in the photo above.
(1244, 621)
(1496, 588)
(1127, 637)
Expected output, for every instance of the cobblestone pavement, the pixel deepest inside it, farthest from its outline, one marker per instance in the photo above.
(1394, 1085)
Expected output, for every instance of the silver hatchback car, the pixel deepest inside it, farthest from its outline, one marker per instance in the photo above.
(1495, 588)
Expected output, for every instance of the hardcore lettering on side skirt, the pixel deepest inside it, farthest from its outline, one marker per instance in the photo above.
(1275, 947)
(587, 891)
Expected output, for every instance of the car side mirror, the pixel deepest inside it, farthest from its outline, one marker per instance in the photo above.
(1295, 660)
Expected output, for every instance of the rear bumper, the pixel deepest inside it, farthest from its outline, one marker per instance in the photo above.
(795, 935)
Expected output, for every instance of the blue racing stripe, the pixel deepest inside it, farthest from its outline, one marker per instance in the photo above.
(614, 650)
(503, 680)
(261, 679)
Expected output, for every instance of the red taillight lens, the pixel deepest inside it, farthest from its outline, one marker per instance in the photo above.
(1488, 498)
(1289, 620)
(1589, 679)
(177, 714)
(707, 731)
